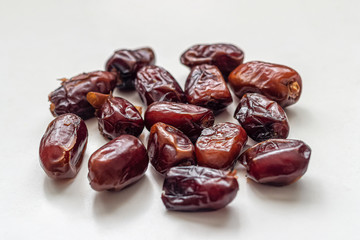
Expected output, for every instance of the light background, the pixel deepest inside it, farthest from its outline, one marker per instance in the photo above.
(41, 41)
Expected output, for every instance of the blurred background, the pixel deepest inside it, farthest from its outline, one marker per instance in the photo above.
(42, 41)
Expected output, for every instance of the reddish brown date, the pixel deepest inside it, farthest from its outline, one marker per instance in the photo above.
(63, 145)
(71, 96)
(195, 188)
(225, 56)
(261, 117)
(277, 82)
(276, 161)
(206, 87)
(219, 146)
(169, 147)
(188, 118)
(155, 84)
(125, 63)
(116, 115)
(117, 164)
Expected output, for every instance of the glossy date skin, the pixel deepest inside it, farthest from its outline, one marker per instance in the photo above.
(225, 56)
(261, 117)
(62, 146)
(220, 145)
(277, 82)
(126, 63)
(71, 96)
(117, 164)
(188, 118)
(116, 115)
(169, 147)
(206, 87)
(196, 188)
(276, 162)
(155, 84)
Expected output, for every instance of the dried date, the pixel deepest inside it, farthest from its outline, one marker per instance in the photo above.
(125, 63)
(276, 161)
(219, 146)
(225, 56)
(117, 164)
(188, 118)
(169, 147)
(277, 82)
(155, 84)
(261, 117)
(116, 115)
(206, 87)
(71, 96)
(62, 146)
(196, 188)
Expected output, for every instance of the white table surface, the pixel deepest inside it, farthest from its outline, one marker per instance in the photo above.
(41, 41)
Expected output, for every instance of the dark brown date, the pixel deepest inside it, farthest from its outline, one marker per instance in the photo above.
(169, 147)
(125, 63)
(219, 146)
(225, 56)
(71, 96)
(155, 84)
(188, 118)
(116, 115)
(277, 82)
(261, 117)
(117, 164)
(63, 145)
(195, 188)
(206, 87)
(276, 161)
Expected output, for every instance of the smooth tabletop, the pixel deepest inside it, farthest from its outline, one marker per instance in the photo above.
(42, 41)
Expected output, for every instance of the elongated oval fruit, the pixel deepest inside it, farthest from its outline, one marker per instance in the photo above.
(169, 147)
(225, 56)
(71, 96)
(276, 161)
(194, 188)
(126, 63)
(277, 82)
(206, 87)
(188, 118)
(261, 117)
(116, 115)
(62, 146)
(155, 84)
(117, 164)
(219, 146)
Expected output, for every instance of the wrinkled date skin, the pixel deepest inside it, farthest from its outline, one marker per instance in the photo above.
(117, 164)
(125, 63)
(155, 84)
(261, 117)
(219, 146)
(169, 147)
(116, 116)
(71, 96)
(188, 118)
(63, 145)
(277, 82)
(225, 56)
(196, 188)
(276, 162)
(206, 87)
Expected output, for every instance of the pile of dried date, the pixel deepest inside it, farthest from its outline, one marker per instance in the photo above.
(195, 155)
